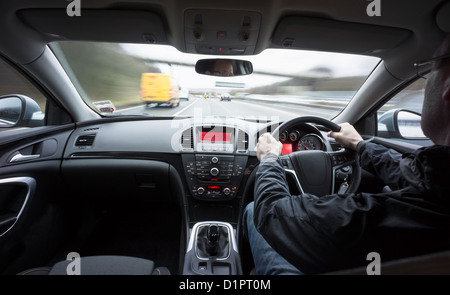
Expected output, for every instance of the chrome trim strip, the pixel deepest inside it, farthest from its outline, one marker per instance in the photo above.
(292, 172)
(30, 183)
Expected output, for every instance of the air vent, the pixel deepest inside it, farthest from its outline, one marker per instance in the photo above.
(242, 142)
(187, 139)
(85, 140)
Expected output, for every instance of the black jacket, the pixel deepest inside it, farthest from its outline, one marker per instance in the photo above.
(338, 231)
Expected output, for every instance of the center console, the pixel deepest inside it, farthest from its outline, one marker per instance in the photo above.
(214, 171)
(212, 250)
(213, 177)
(214, 164)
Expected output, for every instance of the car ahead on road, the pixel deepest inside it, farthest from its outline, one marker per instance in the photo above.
(143, 188)
(225, 96)
(159, 89)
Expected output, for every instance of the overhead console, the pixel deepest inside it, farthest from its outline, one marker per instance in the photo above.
(216, 31)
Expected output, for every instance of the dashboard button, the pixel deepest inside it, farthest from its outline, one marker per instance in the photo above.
(200, 190)
(214, 171)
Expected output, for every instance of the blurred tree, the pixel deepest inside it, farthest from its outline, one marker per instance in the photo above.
(106, 72)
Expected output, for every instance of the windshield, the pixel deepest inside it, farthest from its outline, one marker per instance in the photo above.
(158, 80)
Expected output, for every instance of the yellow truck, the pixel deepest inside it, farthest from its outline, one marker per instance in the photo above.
(159, 88)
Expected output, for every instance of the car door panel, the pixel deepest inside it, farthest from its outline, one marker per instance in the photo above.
(30, 187)
(14, 194)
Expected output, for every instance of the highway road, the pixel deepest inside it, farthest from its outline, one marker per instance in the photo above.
(243, 108)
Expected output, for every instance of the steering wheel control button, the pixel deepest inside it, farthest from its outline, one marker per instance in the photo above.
(339, 159)
(346, 169)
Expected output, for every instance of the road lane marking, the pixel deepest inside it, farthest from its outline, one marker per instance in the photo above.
(183, 109)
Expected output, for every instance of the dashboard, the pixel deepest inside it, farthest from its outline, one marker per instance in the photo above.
(213, 157)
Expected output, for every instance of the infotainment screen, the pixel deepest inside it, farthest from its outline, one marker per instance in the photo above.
(215, 138)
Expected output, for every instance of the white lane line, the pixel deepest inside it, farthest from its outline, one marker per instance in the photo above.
(261, 107)
(295, 111)
(188, 106)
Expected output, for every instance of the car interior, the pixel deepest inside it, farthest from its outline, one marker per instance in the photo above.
(165, 194)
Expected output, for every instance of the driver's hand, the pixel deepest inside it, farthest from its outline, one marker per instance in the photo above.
(267, 144)
(347, 137)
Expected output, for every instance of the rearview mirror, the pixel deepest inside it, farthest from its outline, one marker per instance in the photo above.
(224, 67)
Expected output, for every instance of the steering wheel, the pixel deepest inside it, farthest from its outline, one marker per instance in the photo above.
(321, 172)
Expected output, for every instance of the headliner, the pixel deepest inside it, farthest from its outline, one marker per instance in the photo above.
(405, 32)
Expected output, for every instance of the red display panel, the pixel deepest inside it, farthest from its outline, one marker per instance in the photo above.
(214, 187)
(212, 136)
(287, 148)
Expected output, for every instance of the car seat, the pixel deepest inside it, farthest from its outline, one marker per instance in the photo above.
(103, 265)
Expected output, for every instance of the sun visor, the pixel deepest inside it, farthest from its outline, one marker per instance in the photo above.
(443, 17)
(310, 33)
(97, 25)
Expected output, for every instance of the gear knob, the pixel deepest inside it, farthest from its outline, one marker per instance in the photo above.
(213, 233)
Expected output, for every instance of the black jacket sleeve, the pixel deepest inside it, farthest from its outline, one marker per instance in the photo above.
(311, 233)
(336, 231)
(382, 162)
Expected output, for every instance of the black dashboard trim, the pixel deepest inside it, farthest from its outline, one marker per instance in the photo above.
(106, 120)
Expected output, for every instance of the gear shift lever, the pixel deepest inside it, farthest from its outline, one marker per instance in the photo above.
(213, 235)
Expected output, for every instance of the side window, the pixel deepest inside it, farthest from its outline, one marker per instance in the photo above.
(21, 103)
(400, 117)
